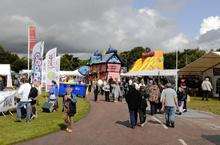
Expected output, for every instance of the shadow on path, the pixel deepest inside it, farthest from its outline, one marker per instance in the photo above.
(212, 138)
(124, 123)
(62, 126)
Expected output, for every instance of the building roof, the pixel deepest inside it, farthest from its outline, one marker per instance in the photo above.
(201, 65)
(109, 57)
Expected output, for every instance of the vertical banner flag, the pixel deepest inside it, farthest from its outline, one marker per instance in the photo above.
(31, 38)
(51, 62)
(37, 62)
(43, 81)
(58, 69)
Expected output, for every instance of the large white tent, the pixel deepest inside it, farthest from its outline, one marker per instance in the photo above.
(166, 72)
(62, 73)
(5, 70)
(201, 65)
(71, 73)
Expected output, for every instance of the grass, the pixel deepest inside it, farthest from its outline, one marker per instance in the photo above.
(213, 105)
(12, 132)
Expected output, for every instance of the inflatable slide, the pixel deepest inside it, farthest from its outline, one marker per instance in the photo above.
(149, 61)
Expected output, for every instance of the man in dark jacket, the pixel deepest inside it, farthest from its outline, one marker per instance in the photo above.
(142, 105)
(1, 83)
(132, 99)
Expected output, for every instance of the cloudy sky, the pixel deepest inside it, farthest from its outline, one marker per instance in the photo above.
(82, 26)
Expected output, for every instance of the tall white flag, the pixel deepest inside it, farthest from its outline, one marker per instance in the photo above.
(37, 62)
(51, 62)
(58, 58)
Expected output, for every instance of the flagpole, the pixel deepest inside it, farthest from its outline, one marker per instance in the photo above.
(28, 51)
(177, 69)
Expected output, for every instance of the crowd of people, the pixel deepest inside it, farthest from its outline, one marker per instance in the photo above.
(140, 93)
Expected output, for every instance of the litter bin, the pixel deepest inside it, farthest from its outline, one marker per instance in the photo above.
(80, 90)
(63, 86)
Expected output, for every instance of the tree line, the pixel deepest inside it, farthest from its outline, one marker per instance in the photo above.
(70, 62)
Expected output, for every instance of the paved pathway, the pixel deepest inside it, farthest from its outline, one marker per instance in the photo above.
(107, 124)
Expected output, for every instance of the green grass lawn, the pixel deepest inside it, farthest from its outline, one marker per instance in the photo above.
(12, 132)
(213, 105)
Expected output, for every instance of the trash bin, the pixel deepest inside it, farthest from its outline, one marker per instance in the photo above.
(63, 86)
(80, 90)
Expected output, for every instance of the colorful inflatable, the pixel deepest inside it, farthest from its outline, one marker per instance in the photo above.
(150, 60)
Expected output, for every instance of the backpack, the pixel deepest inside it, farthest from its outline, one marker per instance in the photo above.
(33, 93)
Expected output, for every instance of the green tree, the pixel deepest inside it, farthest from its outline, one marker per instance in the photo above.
(69, 62)
(83, 62)
(16, 63)
(184, 58)
(20, 64)
(129, 57)
(170, 60)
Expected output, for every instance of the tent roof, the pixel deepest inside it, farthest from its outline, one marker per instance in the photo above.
(71, 73)
(5, 69)
(201, 65)
(167, 72)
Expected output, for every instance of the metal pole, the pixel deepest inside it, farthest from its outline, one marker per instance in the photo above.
(176, 69)
(28, 51)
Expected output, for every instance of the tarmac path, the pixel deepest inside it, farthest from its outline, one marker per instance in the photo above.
(107, 124)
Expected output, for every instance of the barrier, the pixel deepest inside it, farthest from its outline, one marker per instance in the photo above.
(7, 101)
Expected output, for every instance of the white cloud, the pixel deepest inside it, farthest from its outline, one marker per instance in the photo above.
(179, 42)
(209, 37)
(210, 23)
(81, 26)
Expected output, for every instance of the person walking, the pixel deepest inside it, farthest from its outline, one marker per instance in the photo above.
(116, 91)
(154, 93)
(1, 84)
(132, 99)
(53, 95)
(106, 89)
(169, 104)
(182, 98)
(69, 102)
(23, 100)
(33, 96)
(142, 105)
(90, 86)
(95, 90)
(206, 88)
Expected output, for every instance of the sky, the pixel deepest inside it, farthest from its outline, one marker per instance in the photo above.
(81, 27)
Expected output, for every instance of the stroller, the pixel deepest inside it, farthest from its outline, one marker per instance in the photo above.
(50, 105)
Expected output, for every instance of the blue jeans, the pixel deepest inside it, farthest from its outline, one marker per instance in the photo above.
(133, 118)
(28, 110)
(170, 114)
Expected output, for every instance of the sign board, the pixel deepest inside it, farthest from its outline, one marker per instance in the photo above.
(7, 101)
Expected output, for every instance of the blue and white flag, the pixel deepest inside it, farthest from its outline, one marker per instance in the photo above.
(37, 62)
